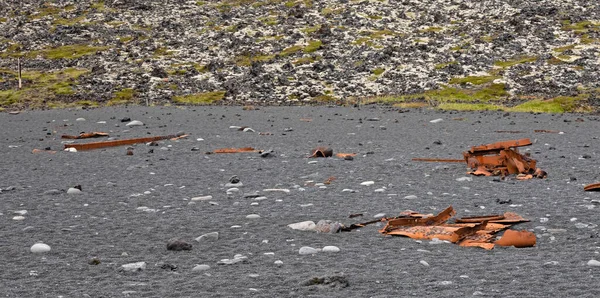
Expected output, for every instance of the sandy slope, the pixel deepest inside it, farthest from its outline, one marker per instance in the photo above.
(104, 221)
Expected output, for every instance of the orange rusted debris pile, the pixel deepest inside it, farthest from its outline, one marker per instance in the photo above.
(502, 159)
(86, 135)
(592, 187)
(105, 144)
(468, 231)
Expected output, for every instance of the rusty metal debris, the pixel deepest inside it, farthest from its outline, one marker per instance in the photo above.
(592, 187)
(501, 158)
(235, 150)
(321, 152)
(469, 231)
(34, 151)
(517, 239)
(546, 131)
(497, 159)
(86, 135)
(105, 144)
(345, 155)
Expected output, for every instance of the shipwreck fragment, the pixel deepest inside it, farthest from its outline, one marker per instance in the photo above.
(476, 231)
(86, 135)
(105, 144)
(321, 152)
(592, 187)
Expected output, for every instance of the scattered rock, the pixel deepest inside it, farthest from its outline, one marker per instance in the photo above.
(178, 245)
(73, 191)
(336, 281)
(134, 123)
(593, 263)
(133, 267)
(212, 236)
(303, 226)
(40, 248)
(201, 267)
(307, 250)
(330, 248)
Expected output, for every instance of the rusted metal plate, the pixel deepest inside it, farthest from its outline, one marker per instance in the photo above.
(501, 145)
(235, 150)
(345, 155)
(517, 239)
(105, 144)
(321, 152)
(86, 135)
(592, 187)
(475, 231)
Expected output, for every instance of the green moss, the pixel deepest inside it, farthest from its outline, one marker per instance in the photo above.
(565, 48)
(581, 27)
(121, 97)
(68, 52)
(313, 46)
(325, 98)
(309, 30)
(115, 23)
(98, 6)
(431, 29)
(86, 103)
(246, 60)
(444, 65)
(3, 20)
(475, 80)
(125, 39)
(513, 62)
(374, 17)
(161, 52)
(40, 88)
(46, 10)
(306, 60)
(469, 107)
(291, 4)
(200, 98)
(269, 21)
(68, 22)
(200, 3)
(559, 104)
(291, 50)
(378, 71)
(487, 38)
(328, 11)
(364, 41)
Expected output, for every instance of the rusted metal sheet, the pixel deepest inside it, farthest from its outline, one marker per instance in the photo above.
(345, 155)
(235, 150)
(476, 231)
(497, 159)
(86, 135)
(439, 160)
(546, 131)
(592, 187)
(517, 239)
(105, 144)
(321, 152)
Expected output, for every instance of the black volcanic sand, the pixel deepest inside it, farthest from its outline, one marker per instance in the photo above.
(104, 222)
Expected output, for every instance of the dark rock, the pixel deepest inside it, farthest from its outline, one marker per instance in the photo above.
(178, 245)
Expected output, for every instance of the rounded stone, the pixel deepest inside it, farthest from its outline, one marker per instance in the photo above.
(202, 267)
(40, 248)
(330, 248)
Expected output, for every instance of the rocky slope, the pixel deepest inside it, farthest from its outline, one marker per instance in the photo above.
(494, 53)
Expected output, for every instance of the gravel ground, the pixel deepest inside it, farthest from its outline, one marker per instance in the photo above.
(105, 222)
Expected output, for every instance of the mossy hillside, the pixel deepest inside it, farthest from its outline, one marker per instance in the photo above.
(200, 98)
(40, 88)
(122, 97)
(515, 61)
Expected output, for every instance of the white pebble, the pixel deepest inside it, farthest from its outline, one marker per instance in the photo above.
(438, 120)
(202, 267)
(307, 250)
(202, 198)
(330, 248)
(543, 219)
(593, 263)
(73, 191)
(19, 218)
(70, 149)
(379, 215)
(138, 266)
(348, 190)
(303, 226)
(278, 262)
(462, 179)
(80, 119)
(424, 263)
(277, 190)
(367, 183)
(379, 190)
(40, 248)
(135, 123)
(252, 216)
(410, 197)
